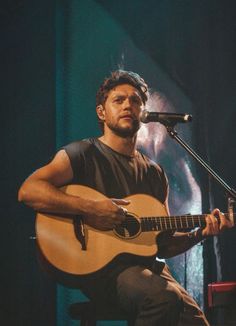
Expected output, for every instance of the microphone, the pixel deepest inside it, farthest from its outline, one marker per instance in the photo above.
(164, 117)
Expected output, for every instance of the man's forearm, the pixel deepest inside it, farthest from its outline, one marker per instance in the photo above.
(44, 197)
(103, 213)
(173, 245)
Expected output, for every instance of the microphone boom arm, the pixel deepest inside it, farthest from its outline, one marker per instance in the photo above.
(173, 133)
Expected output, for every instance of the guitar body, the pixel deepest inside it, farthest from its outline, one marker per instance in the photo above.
(61, 248)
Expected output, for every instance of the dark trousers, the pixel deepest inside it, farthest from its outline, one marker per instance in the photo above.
(149, 296)
(157, 299)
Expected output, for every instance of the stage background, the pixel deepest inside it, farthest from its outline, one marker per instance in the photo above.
(53, 57)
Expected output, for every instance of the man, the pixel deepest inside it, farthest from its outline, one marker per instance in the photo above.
(112, 165)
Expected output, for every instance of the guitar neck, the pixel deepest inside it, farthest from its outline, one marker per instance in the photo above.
(162, 223)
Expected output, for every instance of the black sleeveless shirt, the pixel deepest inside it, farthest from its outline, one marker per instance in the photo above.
(96, 165)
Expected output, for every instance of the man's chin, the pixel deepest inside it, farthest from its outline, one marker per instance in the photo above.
(125, 132)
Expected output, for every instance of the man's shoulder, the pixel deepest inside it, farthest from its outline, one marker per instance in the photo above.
(80, 145)
(150, 162)
(80, 148)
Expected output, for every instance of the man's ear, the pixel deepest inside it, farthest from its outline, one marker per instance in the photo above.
(100, 112)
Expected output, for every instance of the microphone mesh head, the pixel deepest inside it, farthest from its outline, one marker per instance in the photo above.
(144, 116)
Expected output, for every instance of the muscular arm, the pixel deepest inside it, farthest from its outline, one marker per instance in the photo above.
(41, 192)
(41, 189)
(171, 245)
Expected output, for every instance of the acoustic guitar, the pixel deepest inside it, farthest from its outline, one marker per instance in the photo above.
(73, 247)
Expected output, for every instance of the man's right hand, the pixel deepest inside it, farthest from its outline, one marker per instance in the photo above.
(106, 214)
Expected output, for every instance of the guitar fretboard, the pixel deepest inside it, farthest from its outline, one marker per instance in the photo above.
(183, 222)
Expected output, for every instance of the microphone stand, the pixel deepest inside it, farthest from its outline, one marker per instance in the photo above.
(231, 193)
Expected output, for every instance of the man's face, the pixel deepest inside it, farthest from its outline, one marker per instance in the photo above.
(121, 111)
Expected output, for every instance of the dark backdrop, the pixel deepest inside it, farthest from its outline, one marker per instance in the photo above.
(27, 79)
(194, 43)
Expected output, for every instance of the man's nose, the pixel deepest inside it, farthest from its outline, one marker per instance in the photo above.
(127, 103)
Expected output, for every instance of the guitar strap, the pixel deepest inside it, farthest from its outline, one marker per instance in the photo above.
(78, 223)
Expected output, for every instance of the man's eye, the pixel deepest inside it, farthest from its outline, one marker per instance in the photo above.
(136, 100)
(118, 100)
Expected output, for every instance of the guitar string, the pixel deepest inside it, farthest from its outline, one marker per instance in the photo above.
(168, 220)
(179, 218)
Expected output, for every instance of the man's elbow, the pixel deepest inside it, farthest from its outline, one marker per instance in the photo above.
(161, 253)
(29, 195)
(22, 194)
(164, 253)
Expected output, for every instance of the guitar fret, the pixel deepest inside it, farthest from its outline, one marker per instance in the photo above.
(190, 222)
(154, 225)
(157, 225)
(200, 220)
(193, 224)
(181, 223)
(186, 219)
(176, 222)
(149, 223)
(161, 224)
(195, 220)
(165, 223)
(170, 223)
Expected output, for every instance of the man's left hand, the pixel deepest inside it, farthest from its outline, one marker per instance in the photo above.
(216, 222)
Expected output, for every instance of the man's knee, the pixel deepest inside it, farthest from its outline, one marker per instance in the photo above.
(175, 306)
(171, 298)
(163, 308)
(172, 295)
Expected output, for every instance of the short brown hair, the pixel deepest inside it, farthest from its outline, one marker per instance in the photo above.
(120, 77)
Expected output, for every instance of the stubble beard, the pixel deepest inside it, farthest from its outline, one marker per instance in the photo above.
(125, 132)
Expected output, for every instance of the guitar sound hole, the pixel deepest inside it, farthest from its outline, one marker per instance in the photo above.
(129, 228)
